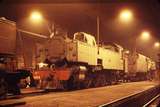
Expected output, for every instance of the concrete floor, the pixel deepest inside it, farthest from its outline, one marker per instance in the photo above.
(87, 97)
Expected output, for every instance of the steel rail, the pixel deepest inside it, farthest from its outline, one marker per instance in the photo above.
(151, 101)
(134, 100)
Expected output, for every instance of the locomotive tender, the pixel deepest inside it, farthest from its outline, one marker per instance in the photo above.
(82, 63)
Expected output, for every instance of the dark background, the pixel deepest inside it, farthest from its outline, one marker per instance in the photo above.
(80, 15)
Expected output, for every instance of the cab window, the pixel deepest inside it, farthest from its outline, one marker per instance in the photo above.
(93, 43)
(85, 39)
(80, 37)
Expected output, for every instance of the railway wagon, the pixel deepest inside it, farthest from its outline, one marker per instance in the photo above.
(80, 62)
(9, 74)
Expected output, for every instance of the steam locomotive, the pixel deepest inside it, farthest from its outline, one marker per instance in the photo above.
(81, 63)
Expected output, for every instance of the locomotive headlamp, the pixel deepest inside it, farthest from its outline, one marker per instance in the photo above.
(41, 64)
(127, 52)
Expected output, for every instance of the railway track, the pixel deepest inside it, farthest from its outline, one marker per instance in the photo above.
(141, 99)
(154, 102)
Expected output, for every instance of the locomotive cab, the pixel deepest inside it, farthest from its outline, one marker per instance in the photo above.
(86, 38)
